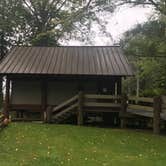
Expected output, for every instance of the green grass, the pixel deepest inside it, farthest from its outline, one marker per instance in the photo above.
(32, 144)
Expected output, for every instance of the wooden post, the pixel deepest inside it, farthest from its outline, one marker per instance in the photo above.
(43, 97)
(116, 88)
(80, 109)
(119, 86)
(48, 115)
(156, 115)
(123, 111)
(7, 98)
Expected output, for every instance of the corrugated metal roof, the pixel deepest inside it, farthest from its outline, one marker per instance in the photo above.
(67, 60)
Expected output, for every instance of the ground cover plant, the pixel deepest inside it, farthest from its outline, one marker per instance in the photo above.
(54, 145)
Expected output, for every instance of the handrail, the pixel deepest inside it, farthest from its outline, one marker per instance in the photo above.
(67, 109)
(55, 109)
(106, 101)
(99, 96)
(141, 99)
(140, 107)
(97, 104)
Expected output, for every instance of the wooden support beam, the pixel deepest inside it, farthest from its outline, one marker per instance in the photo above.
(116, 89)
(156, 115)
(119, 86)
(123, 111)
(7, 98)
(80, 109)
(43, 97)
(48, 115)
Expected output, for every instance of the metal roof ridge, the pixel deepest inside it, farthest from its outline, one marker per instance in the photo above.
(65, 46)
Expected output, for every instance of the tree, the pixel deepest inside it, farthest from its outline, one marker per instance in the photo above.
(159, 5)
(9, 20)
(46, 22)
(146, 47)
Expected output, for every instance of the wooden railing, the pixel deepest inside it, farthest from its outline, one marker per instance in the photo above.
(152, 107)
(68, 105)
(103, 102)
(140, 103)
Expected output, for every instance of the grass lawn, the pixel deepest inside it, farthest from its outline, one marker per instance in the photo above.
(32, 144)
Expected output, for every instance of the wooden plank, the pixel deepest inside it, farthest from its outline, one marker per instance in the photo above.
(48, 115)
(123, 120)
(65, 103)
(156, 115)
(139, 107)
(26, 120)
(94, 96)
(119, 86)
(27, 107)
(66, 110)
(101, 110)
(80, 110)
(142, 113)
(43, 97)
(95, 104)
(141, 99)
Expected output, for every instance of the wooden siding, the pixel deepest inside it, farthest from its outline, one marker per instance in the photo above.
(44, 92)
(60, 91)
(26, 92)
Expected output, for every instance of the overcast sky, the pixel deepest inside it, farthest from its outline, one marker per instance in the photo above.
(122, 20)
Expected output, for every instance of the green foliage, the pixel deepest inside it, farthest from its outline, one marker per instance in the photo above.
(153, 92)
(9, 20)
(158, 5)
(146, 47)
(146, 40)
(44, 39)
(46, 22)
(32, 144)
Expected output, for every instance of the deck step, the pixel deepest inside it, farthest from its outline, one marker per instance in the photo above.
(64, 114)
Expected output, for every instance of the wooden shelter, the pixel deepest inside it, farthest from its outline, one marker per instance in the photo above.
(39, 77)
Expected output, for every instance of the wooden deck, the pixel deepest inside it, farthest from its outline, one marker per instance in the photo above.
(145, 106)
(126, 107)
(144, 113)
